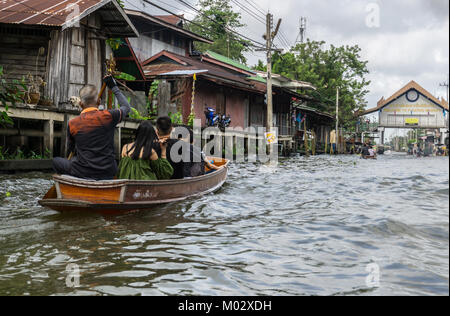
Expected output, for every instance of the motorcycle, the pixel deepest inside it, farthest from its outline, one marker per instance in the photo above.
(216, 120)
(212, 120)
(224, 122)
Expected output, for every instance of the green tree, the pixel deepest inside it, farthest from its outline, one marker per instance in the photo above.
(215, 20)
(10, 93)
(328, 69)
(260, 66)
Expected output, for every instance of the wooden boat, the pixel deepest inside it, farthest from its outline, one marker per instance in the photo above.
(121, 196)
(369, 157)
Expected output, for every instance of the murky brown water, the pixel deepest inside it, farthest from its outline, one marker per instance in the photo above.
(311, 228)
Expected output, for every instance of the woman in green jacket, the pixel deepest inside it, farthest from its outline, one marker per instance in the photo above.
(140, 161)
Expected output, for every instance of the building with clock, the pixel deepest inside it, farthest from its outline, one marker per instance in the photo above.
(413, 107)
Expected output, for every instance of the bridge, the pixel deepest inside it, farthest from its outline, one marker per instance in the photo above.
(412, 107)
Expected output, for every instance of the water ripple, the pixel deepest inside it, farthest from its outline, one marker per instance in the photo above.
(310, 228)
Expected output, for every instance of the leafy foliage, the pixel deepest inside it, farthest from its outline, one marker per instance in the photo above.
(177, 118)
(137, 116)
(10, 93)
(328, 69)
(225, 42)
(20, 154)
(114, 43)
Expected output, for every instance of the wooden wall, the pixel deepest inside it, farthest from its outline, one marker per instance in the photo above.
(77, 59)
(258, 110)
(19, 47)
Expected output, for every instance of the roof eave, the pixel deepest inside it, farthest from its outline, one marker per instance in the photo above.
(153, 19)
(133, 33)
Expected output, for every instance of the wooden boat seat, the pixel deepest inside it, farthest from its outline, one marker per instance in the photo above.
(75, 179)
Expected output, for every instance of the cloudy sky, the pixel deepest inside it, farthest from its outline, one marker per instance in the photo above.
(403, 40)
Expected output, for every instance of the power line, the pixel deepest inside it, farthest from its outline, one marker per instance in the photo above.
(262, 20)
(284, 39)
(249, 12)
(212, 20)
(256, 6)
(176, 8)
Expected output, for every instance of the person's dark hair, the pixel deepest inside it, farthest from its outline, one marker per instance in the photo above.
(145, 137)
(164, 125)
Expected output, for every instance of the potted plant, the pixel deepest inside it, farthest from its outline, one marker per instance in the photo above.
(34, 89)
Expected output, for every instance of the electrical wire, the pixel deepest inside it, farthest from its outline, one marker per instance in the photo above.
(257, 7)
(262, 19)
(258, 44)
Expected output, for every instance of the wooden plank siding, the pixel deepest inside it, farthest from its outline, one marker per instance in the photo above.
(19, 49)
(77, 60)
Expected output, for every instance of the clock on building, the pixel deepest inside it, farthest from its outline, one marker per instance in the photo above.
(412, 95)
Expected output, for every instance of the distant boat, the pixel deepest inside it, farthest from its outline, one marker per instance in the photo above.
(122, 196)
(369, 157)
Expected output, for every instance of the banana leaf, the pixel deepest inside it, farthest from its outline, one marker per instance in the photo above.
(124, 76)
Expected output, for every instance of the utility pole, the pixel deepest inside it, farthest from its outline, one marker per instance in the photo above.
(337, 120)
(269, 24)
(228, 42)
(446, 85)
(270, 36)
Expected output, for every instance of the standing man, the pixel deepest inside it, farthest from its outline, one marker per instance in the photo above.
(91, 136)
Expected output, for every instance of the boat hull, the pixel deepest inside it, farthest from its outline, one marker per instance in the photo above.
(77, 195)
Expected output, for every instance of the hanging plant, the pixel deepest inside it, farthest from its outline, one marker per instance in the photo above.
(114, 43)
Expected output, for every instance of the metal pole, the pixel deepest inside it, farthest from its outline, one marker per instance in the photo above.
(269, 76)
(337, 120)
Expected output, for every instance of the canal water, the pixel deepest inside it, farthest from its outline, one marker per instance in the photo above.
(314, 226)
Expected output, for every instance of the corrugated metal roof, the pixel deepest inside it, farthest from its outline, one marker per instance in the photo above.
(184, 72)
(159, 69)
(229, 61)
(62, 13)
(162, 22)
(312, 110)
(258, 78)
(172, 19)
(190, 63)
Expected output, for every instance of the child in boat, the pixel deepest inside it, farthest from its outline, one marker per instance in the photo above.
(140, 161)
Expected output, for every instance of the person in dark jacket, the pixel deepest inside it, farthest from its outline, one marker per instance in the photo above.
(365, 150)
(164, 130)
(194, 165)
(90, 136)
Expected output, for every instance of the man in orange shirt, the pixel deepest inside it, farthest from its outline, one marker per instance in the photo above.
(91, 136)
